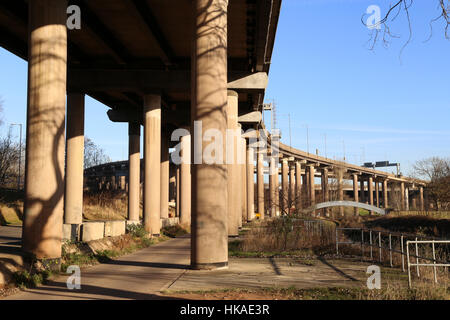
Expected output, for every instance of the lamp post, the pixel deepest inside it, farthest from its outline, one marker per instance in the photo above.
(20, 154)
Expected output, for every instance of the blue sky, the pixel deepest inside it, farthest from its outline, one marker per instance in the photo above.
(324, 76)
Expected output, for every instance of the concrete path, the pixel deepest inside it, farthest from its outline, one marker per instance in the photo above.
(140, 275)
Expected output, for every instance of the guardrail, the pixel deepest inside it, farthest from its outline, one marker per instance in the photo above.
(376, 236)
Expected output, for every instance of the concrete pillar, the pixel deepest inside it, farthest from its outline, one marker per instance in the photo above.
(355, 192)
(407, 199)
(73, 196)
(421, 203)
(178, 192)
(260, 183)
(361, 190)
(44, 170)
(164, 176)
(311, 185)
(370, 188)
(340, 181)
(291, 186)
(250, 184)
(134, 170)
(243, 179)
(402, 196)
(123, 183)
(276, 180)
(298, 185)
(152, 163)
(273, 175)
(325, 190)
(234, 205)
(185, 180)
(385, 194)
(377, 193)
(209, 237)
(284, 186)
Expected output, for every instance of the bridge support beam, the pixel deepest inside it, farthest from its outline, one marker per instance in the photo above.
(370, 188)
(273, 174)
(355, 192)
(243, 179)
(164, 176)
(361, 189)
(134, 170)
(385, 194)
(402, 196)
(298, 184)
(284, 186)
(421, 202)
(377, 193)
(233, 184)
(152, 163)
(291, 187)
(250, 184)
(73, 196)
(325, 191)
(340, 181)
(185, 180)
(311, 185)
(209, 237)
(260, 183)
(407, 199)
(44, 171)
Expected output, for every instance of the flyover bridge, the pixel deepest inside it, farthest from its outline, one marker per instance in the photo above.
(162, 65)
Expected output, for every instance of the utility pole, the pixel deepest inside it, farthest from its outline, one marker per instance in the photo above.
(20, 154)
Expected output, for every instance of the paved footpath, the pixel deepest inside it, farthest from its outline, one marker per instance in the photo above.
(140, 275)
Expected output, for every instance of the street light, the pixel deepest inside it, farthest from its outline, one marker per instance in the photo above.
(20, 153)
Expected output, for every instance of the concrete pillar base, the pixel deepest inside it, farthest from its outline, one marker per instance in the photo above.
(210, 266)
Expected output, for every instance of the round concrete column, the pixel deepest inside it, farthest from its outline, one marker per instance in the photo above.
(209, 237)
(243, 179)
(178, 192)
(134, 170)
(164, 177)
(377, 193)
(73, 200)
(370, 188)
(311, 185)
(284, 186)
(340, 181)
(233, 186)
(421, 202)
(260, 182)
(152, 163)
(291, 186)
(250, 184)
(277, 190)
(44, 171)
(361, 190)
(385, 194)
(355, 192)
(298, 185)
(325, 190)
(273, 172)
(407, 199)
(185, 181)
(402, 196)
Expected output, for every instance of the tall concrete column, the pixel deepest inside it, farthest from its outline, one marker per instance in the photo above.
(407, 199)
(44, 170)
(284, 186)
(385, 194)
(277, 190)
(243, 179)
(355, 192)
(234, 205)
(298, 185)
(178, 192)
(402, 196)
(260, 183)
(370, 188)
(134, 170)
(185, 180)
(325, 190)
(73, 199)
(152, 163)
(209, 237)
(421, 202)
(340, 181)
(292, 186)
(361, 190)
(273, 173)
(164, 176)
(377, 193)
(250, 184)
(311, 185)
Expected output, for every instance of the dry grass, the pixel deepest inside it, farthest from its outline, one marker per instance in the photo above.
(106, 205)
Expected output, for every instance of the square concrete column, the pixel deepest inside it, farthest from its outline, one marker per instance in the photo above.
(355, 192)
(234, 183)
(209, 237)
(325, 190)
(377, 193)
(284, 186)
(291, 186)
(298, 185)
(152, 163)
(45, 141)
(134, 170)
(164, 176)
(370, 188)
(402, 196)
(421, 202)
(311, 185)
(361, 190)
(73, 199)
(385, 194)
(273, 174)
(260, 183)
(185, 180)
(243, 179)
(250, 184)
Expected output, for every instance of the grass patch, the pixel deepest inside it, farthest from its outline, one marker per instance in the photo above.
(174, 231)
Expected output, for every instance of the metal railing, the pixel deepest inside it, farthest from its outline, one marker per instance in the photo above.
(376, 236)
